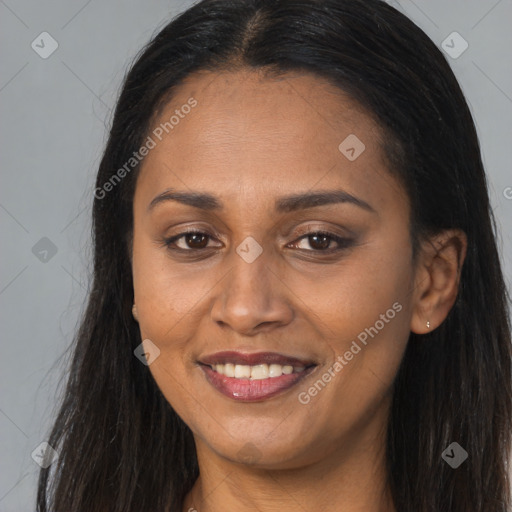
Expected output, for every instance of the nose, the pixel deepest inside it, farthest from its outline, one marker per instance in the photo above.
(253, 297)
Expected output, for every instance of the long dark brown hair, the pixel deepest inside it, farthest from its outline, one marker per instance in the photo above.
(122, 447)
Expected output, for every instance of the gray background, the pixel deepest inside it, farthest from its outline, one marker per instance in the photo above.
(54, 115)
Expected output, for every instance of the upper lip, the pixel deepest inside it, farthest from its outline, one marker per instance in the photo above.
(254, 358)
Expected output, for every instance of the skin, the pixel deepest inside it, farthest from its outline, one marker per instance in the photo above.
(250, 140)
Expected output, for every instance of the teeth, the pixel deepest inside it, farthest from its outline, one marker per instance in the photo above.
(257, 372)
(229, 369)
(287, 370)
(275, 370)
(242, 372)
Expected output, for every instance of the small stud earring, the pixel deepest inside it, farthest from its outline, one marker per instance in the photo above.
(428, 324)
(134, 312)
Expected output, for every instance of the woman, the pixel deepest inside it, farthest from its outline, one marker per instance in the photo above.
(298, 302)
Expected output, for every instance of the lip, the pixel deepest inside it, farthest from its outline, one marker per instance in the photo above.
(254, 358)
(248, 390)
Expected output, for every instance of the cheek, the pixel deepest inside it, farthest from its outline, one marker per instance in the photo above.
(165, 295)
(165, 291)
(173, 310)
(364, 314)
(352, 295)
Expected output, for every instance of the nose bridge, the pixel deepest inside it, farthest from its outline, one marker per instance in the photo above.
(250, 293)
(249, 280)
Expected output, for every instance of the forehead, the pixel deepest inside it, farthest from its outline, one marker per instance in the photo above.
(251, 136)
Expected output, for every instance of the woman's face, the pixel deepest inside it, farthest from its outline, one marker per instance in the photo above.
(254, 282)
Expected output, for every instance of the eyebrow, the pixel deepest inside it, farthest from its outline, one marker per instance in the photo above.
(283, 204)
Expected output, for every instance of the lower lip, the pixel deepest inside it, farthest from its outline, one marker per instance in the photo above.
(247, 390)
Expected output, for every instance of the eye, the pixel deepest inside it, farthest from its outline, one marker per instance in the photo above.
(320, 241)
(192, 240)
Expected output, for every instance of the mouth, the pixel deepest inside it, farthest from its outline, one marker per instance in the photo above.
(254, 377)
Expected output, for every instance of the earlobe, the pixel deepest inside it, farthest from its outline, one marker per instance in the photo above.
(134, 312)
(438, 277)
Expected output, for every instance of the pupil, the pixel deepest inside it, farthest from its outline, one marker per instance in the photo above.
(325, 243)
(194, 237)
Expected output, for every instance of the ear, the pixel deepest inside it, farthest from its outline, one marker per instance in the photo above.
(437, 277)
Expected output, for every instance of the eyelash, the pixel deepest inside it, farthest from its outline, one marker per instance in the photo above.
(343, 243)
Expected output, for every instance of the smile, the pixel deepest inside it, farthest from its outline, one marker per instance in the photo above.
(256, 376)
